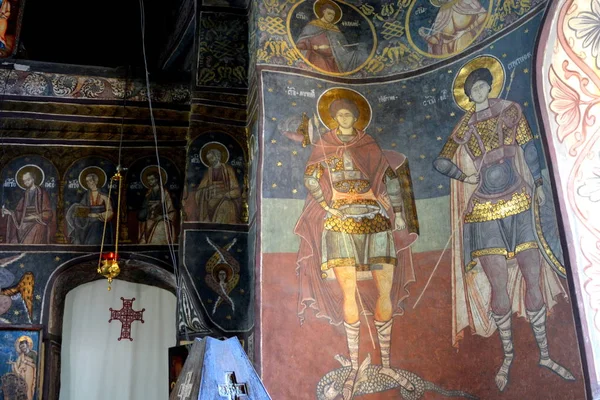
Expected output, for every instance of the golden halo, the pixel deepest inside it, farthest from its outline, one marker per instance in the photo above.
(214, 145)
(223, 267)
(92, 170)
(23, 338)
(330, 95)
(489, 62)
(318, 10)
(153, 169)
(34, 170)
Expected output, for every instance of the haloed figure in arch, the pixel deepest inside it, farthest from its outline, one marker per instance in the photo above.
(348, 231)
(493, 161)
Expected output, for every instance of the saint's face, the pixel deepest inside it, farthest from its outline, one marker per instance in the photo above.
(152, 181)
(212, 159)
(480, 91)
(24, 347)
(28, 180)
(91, 184)
(222, 276)
(329, 15)
(345, 118)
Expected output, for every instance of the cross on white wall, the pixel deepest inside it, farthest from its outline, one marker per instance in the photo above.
(232, 390)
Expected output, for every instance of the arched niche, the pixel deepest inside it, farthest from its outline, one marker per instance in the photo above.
(135, 268)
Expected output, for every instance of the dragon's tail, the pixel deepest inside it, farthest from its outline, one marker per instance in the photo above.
(448, 393)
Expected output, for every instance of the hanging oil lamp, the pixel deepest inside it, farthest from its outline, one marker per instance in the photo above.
(108, 265)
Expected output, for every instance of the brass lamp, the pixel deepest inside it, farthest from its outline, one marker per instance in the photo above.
(108, 265)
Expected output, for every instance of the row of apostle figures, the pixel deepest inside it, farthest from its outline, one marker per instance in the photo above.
(355, 225)
(90, 219)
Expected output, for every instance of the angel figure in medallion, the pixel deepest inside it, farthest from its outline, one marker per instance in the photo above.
(356, 226)
(497, 194)
(222, 274)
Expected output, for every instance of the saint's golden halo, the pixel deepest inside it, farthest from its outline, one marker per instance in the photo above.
(318, 7)
(34, 170)
(330, 95)
(92, 170)
(26, 339)
(492, 64)
(214, 145)
(153, 169)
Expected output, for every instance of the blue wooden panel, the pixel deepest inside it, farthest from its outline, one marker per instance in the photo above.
(222, 357)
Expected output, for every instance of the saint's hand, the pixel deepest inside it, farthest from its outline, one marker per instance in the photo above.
(336, 213)
(541, 196)
(400, 223)
(472, 179)
(31, 217)
(6, 212)
(316, 121)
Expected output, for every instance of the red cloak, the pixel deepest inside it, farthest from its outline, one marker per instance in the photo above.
(325, 296)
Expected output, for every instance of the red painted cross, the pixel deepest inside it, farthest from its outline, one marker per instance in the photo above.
(127, 316)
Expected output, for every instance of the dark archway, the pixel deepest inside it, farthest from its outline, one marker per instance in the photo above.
(135, 268)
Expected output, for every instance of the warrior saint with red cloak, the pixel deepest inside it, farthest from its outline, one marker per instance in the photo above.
(353, 228)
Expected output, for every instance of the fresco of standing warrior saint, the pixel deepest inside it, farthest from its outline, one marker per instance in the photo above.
(456, 25)
(353, 228)
(157, 215)
(31, 221)
(496, 188)
(86, 219)
(219, 196)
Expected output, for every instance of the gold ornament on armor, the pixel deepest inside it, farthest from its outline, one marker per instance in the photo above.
(361, 226)
(512, 113)
(352, 202)
(488, 134)
(507, 133)
(335, 164)
(390, 174)
(524, 134)
(449, 149)
(489, 211)
(359, 186)
(310, 170)
(500, 251)
(474, 146)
